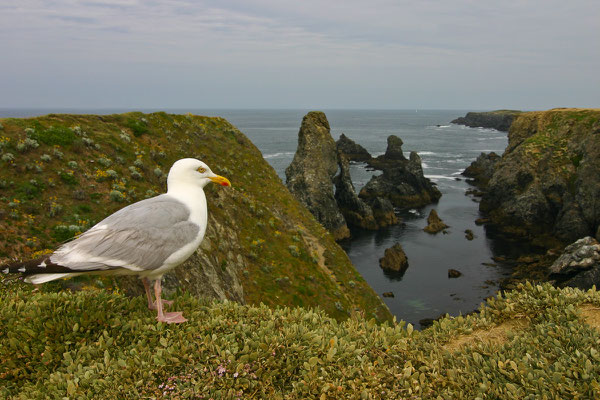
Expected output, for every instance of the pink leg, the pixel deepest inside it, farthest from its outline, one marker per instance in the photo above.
(170, 317)
(151, 303)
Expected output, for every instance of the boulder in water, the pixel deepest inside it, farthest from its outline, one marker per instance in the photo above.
(394, 259)
(434, 223)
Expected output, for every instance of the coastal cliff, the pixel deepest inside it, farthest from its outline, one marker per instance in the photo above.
(60, 174)
(499, 119)
(547, 185)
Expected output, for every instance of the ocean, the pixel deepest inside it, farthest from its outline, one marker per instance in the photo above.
(424, 291)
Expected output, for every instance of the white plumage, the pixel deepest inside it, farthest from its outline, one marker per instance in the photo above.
(147, 238)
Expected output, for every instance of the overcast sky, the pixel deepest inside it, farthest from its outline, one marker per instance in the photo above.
(323, 54)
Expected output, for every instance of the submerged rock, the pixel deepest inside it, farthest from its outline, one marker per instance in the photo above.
(356, 212)
(434, 223)
(469, 234)
(394, 259)
(309, 177)
(352, 150)
(402, 181)
(454, 273)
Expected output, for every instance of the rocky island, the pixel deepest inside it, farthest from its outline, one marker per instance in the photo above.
(402, 181)
(499, 119)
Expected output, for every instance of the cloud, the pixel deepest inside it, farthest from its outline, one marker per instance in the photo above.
(375, 44)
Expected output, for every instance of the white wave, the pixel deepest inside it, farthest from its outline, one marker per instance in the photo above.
(275, 155)
(426, 153)
(424, 165)
(435, 178)
(456, 173)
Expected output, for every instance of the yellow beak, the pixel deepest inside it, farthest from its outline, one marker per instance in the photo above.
(221, 180)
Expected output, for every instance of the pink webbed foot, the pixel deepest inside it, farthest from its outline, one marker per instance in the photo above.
(152, 306)
(172, 318)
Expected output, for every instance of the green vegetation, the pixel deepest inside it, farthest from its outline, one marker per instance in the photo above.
(536, 342)
(554, 130)
(86, 167)
(137, 127)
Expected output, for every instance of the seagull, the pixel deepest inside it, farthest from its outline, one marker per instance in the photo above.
(147, 238)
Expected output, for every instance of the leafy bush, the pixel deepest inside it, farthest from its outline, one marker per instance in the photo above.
(100, 344)
(55, 135)
(137, 127)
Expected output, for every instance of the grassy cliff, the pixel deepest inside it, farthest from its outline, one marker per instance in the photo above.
(537, 342)
(60, 174)
(547, 182)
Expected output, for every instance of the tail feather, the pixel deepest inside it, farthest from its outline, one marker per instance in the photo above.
(41, 265)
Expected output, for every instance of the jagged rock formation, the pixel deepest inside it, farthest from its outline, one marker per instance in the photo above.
(482, 169)
(547, 183)
(402, 181)
(499, 120)
(355, 211)
(394, 259)
(352, 150)
(434, 223)
(383, 211)
(579, 265)
(309, 177)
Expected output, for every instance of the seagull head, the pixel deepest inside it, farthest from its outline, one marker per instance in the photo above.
(189, 171)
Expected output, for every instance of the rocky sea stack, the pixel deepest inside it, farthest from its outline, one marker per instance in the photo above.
(499, 120)
(547, 183)
(352, 150)
(402, 181)
(309, 177)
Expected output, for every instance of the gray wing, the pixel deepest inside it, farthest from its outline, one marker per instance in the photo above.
(138, 237)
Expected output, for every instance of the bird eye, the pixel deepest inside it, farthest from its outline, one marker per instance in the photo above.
(202, 170)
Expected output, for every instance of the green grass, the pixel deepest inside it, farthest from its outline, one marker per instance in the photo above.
(55, 135)
(98, 344)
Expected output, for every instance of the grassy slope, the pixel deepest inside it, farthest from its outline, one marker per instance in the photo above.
(60, 174)
(92, 344)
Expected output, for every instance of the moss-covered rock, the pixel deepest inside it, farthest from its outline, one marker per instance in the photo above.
(250, 229)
